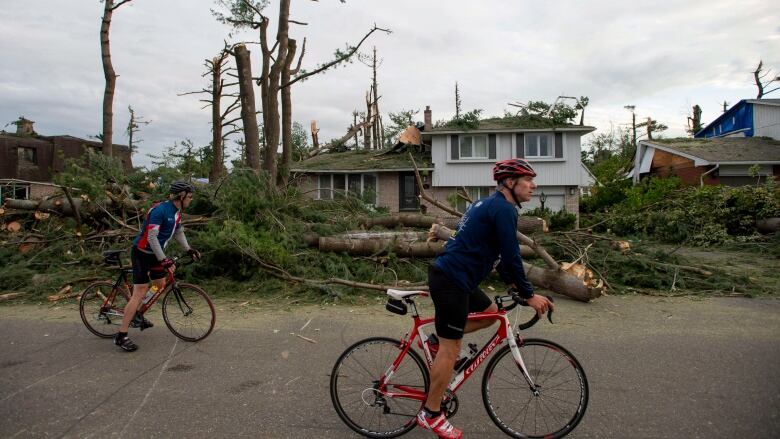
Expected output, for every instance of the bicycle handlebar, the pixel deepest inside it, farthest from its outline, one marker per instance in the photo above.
(517, 300)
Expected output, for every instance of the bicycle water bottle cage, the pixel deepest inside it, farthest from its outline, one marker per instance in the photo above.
(396, 306)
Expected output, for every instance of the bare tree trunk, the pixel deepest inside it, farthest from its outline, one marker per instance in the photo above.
(757, 77)
(368, 121)
(110, 75)
(287, 72)
(315, 139)
(354, 124)
(248, 112)
(274, 85)
(216, 118)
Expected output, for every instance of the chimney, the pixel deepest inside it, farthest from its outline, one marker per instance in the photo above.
(427, 116)
(24, 127)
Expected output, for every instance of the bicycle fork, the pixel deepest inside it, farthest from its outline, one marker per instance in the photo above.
(515, 348)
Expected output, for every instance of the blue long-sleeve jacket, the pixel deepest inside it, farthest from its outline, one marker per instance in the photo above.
(487, 231)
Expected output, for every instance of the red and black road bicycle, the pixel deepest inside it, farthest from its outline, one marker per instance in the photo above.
(532, 388)
(186, 309)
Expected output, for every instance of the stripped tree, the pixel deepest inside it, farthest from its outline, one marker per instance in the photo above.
(221, 126)
(110, 75)
(275, 64)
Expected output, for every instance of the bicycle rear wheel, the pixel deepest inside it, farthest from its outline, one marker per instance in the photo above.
(355, 393)
(102, 308)
(188, 312)
(562, 391)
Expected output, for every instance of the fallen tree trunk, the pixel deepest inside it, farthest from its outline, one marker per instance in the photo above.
(768, 225)
(571, 280)
(442, 233)
(10, 296)
(525, 224)
(63, 206)
(369, 247)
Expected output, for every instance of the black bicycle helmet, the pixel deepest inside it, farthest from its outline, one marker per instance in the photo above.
(178, 187)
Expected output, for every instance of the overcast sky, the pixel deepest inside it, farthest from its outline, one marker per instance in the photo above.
(661, 56)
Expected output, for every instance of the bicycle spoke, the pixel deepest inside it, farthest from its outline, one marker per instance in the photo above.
(361, 405)
(556, 406)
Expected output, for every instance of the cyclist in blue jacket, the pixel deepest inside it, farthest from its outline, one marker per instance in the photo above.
(487, 232)
(163, 222)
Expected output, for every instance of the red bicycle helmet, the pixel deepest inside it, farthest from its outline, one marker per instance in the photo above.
(512, 168)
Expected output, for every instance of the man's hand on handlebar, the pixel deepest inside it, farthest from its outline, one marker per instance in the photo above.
(540, 303)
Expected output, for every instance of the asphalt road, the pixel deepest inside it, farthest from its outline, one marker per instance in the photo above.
(658, 368)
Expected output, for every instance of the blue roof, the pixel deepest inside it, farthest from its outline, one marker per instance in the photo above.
(737, 118)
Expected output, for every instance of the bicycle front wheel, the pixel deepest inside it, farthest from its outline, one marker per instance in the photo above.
(358, 397)
(102, 308)
(188, 312)
(555, 407)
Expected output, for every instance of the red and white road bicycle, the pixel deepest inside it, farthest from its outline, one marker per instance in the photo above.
(532, 388)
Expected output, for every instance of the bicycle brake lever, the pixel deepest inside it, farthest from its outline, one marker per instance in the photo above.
(549, 313)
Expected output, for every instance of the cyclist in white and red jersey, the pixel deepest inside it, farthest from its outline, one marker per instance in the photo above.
(163, 222)
(487, 232)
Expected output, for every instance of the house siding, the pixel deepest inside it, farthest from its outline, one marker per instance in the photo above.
(564, 171)
(766, 121)
(666, 164)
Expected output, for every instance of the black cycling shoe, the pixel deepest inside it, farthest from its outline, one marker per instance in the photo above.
(141, 322)
(125, 343)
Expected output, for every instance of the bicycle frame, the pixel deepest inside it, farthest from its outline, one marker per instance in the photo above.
(503, 333)
(170, 282)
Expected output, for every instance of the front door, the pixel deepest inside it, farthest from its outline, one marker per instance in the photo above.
(408, 192)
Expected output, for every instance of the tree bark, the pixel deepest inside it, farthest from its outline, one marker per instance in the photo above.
(110, 76)
(248, 112)
(216, 118)
(367, 122)
(525, 224)
(287, 72)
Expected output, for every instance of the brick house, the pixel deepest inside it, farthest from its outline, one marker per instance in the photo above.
(382, 178)
(712, 161)
(29, 161)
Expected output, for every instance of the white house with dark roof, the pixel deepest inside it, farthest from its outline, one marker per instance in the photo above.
(464, 157)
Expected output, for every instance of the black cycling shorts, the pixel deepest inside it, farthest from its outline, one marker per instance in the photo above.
(453, 304)
(145, 266)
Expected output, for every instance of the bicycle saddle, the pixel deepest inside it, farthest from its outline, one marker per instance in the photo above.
(400, 294)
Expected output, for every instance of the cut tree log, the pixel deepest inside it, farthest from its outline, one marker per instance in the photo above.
(31, 243)
(571, 280)
(525, 224)
(10, 296)
(377, 246)
(442, 233)
(768, 225)
(13, 227)
(65, 292)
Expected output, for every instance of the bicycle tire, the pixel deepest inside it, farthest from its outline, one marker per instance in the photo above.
(562, 385)
(188, 312)
(102, 321)
(348, 393)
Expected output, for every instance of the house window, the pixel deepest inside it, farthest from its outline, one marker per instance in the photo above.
(473, 147)
(475, 193)
(14, 190)
(538, 145)
(335, 186)
(27, 156)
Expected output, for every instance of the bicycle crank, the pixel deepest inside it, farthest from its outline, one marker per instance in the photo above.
(450, 404)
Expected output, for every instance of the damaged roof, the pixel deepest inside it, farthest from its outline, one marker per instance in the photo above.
(363, 161)
(722, 149)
